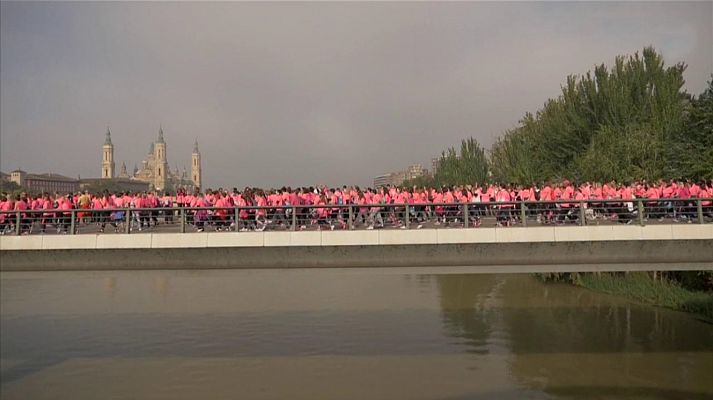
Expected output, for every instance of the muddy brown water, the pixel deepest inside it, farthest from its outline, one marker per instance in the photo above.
(338, 334)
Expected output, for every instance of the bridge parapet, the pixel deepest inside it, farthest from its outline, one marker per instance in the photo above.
(360, 238)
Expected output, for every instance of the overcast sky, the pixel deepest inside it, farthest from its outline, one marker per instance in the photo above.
(304, 93)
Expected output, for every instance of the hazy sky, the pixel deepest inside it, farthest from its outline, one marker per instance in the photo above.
(304, 93)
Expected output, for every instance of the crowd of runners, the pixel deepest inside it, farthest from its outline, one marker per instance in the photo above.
(353, 207)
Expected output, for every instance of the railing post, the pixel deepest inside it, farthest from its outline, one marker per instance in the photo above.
(350, 223)
(183, 220)
(237, 219)
(699, 210)
(582, 214)
(72, 223)
(640, 205)
(18, 223)
(406, 216)
(466, 215)
(127, 216)
(523, 213)
(294, 218)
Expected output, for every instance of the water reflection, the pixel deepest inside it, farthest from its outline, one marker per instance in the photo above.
(337, 334)
(110, 287)
(466, 314)
(571, 342)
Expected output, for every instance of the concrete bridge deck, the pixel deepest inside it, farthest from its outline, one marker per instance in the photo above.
(532, 249)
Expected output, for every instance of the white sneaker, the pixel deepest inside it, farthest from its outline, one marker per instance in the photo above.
(368, 228)
(419, 226)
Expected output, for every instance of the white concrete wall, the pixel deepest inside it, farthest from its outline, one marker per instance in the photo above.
(359, 238)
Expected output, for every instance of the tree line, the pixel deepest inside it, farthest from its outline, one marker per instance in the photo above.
(633, 121)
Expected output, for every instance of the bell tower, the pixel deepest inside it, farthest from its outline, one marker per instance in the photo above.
(107, 157)
(161, 165)
(196, 166)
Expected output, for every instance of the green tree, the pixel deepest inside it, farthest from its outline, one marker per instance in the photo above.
(691, 151)
(606, 125)
(466, 167)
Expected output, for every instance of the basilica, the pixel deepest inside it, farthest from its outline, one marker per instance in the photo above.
(154, 168)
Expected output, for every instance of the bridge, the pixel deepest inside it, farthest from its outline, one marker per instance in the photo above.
(483, 238)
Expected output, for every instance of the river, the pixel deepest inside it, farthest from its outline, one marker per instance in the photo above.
(338, 334)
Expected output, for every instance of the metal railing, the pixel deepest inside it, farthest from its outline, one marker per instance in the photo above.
(359, 216)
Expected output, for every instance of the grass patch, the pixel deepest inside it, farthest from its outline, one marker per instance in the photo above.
(640, 287)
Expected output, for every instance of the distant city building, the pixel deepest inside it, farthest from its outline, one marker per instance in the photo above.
(397, 178)
(48, 182)
(393, 178)
(414, 171)
(154, 169)
(382, 180)
(435, 162)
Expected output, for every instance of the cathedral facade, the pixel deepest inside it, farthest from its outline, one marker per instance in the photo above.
(154, 168)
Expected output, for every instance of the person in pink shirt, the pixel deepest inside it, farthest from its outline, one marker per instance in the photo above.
(322, 212)
(22, 218)
(625, 210)
(375, 212)
(200, 216)
(706, 194)
(450, 211)
(106, 205)
(44, 203)
(684, 207)
(575, 212)
(503, 214)
(142, 202)
(339, 214)
(440, 210)
(152, 202)
(279, 213)
(5, 217)
(665, 192)
(222, 212)
(567, 193)
(362, 214)
(420, 197)
(244, 214)
(66, 205)
(260, 213)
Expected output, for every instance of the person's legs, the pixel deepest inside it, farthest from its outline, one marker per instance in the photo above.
(360, 218)
(101, 220)
(280, 217)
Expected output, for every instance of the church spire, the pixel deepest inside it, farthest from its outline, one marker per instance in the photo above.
(160, 134)
(107, 140)
(195, 147)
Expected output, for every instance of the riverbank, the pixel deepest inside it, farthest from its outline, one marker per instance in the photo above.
(640, 287)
